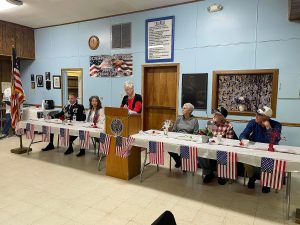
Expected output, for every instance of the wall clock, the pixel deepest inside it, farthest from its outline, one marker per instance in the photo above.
(94, 42)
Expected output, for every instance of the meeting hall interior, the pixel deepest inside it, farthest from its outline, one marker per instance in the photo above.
(136, 112)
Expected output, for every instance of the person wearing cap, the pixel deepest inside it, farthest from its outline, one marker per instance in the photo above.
(186, 123)
(259, 130)
(218, 126)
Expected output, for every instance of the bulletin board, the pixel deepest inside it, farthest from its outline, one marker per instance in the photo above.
(258, 88)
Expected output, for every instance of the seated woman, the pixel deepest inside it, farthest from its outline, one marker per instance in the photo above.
(131, 100)
(186, 123)
(95, 114)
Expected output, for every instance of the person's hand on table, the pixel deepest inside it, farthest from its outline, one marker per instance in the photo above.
(266, 124)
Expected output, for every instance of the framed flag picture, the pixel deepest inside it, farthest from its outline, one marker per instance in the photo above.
(39, 81)
(160, 39)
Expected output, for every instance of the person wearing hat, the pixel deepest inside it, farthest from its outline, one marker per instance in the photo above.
(218, 126)
(259, 130)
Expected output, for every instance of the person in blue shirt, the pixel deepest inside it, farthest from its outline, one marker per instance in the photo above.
(260, 130)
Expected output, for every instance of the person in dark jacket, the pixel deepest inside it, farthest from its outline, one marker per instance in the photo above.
(73, 108)
(260, 130)
(131, 100)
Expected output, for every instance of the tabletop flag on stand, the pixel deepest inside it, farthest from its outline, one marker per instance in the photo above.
(17, 92)
(64, 137)
(272, 172)
(227, 164)
(123, 146)
(84, 139)
(156, 152)
(29, 131)
(189, 158)
(46, 131)
(104, 143)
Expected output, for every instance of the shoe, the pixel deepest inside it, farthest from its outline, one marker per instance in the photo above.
(265, 189)
(3, 136)
(69, 151)
(208, 178)
(81, 153)
(221, 181)
(251, 183)
(48, 147)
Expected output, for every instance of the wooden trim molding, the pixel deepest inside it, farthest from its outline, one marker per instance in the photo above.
(39, 105)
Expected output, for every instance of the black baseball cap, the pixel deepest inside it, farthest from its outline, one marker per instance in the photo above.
(221, 110)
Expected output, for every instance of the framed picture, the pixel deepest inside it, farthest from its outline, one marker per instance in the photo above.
(40, 80)
(242, 92)
(32, 77)
(32, 85)
(47, 75)
(56, 82)
(48, 84)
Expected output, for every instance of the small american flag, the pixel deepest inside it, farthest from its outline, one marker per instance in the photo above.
(84, 139)
(227, 164)
(64, 137)
(29, 131)
(104, 143)
(272, 171)
(156, 152)
(189, 158)
(123, 146)
(46, 131)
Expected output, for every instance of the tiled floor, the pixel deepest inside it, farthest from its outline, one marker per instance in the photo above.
(50, 188)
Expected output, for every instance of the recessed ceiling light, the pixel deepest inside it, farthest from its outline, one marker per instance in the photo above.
(15, 2)
(5, 5)
(214, 8)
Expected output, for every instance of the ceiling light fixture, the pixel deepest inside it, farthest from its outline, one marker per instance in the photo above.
(214, 8)
(4, 5)
(15, 2)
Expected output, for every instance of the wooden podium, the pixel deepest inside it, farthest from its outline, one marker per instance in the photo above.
(119, 122)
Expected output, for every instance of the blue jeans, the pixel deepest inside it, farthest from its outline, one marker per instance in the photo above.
(7, 124)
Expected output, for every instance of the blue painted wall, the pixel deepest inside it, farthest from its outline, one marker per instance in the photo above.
(247, 34)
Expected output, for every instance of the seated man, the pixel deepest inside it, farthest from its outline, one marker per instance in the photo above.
(218, 126)
(186, 123)
(131, 100)
(73, 108)
(259, 130)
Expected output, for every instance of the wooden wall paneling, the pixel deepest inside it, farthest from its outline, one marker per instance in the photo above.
(8, 38)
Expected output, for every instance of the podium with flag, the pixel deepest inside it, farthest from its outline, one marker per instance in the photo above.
(122, 161)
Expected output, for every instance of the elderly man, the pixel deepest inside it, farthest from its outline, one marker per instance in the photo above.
(186, 123)
(218, 126)
(71, 110)
(131, 100)
(259, 130)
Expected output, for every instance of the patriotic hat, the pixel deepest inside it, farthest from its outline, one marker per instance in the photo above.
(221, 110)
(265, 111)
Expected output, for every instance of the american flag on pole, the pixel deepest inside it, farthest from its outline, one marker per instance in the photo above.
(123, 146)
(156, 152)
(64, 137)
(17, 92)
(104, 143)
(84, 139)
(29, 131)
(227, 164)
(46, 131)
(189, 158)
(272, 171)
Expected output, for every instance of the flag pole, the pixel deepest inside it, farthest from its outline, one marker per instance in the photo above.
(21, 149)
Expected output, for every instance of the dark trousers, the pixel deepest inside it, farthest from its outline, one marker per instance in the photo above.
(175, 156)
(71, 139)
(7, 124)
(167, 218)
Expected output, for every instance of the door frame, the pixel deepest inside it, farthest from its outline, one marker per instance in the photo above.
(145, 66)
(63, 86)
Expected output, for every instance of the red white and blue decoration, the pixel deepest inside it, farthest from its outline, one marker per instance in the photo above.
(64, 136)
(156, 152)
(189, 158)
(46, 131)
(104, 143)
(29, 131)
(84, 139)
(227, 165)
(123, 146)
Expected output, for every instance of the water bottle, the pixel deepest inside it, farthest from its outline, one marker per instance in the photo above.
(74, 117)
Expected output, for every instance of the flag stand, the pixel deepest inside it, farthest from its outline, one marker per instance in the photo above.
(21, 149)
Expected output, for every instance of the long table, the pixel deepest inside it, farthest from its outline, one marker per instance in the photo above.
(251, 154)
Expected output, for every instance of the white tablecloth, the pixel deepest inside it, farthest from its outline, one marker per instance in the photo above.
(56, 124)
(251, 155)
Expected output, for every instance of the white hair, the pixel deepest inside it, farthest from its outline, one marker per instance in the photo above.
(129, 84)
(190, 106)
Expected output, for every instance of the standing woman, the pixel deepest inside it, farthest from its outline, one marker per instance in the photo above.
(95, 112)
(131, 100)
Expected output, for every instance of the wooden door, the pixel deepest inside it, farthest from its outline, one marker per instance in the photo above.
(160, 94)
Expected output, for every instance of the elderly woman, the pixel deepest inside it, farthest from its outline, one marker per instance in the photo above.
(186, 123)
(95, 114)
(131, 100)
